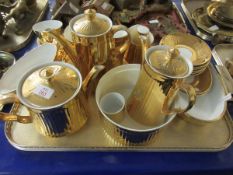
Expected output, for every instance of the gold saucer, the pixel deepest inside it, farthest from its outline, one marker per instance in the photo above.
(199, 48)
(202, 82)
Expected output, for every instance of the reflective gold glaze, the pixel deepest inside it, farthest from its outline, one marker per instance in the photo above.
(168, 62)
(62, 111)
(153, 96)
(203, 21)
(203, 52)
(92, 48)
(202, 82)
(137, 39)
(60, 79)
(90, 24)
(221, 13)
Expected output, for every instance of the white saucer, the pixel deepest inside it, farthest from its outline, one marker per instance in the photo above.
(209, 107)
(42, 54)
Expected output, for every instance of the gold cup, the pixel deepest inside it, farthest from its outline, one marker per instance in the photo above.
(135, 51)
(42, 29)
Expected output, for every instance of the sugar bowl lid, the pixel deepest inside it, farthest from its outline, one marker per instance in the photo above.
(49, 85)
(91, 24)
(170, 62)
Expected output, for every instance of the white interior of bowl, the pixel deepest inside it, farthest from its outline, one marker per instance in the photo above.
(122, 79)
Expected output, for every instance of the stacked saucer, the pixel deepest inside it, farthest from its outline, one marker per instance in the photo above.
(201, 53)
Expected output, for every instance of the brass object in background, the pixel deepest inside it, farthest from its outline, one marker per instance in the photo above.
(19, 33)
(189, 6)
(204, 22)
(221, 13)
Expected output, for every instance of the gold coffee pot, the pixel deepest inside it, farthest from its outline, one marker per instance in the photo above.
(92, 35)
(161, 77)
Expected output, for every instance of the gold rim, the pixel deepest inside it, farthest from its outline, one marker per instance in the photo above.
(206, 78)
(202, 50)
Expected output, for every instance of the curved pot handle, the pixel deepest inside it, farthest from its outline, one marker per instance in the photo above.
(191, 93)
(93, 72)
(18, 118)
(12, 98)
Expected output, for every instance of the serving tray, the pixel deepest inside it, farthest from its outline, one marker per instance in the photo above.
(188, 7)
(14, 41)
(180, 135)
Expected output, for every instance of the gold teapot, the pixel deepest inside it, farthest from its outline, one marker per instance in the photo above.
(55, 96)
(161, 78)
(92, 35)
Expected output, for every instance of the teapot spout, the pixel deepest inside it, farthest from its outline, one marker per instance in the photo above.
(68, 47)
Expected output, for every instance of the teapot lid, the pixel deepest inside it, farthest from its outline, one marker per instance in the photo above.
(49, 85)
(170, 61)
(91, 24)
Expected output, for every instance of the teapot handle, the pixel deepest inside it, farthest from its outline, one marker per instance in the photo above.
(12, 98)
(191, 93)
(121, 49)
(93, 72)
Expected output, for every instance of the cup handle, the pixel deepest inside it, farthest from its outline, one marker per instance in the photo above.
(191, 93)
(125, 46)
(12, 98)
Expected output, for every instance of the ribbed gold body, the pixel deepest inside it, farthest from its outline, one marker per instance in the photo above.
(147, 100)
(92, 51)
(61, 121)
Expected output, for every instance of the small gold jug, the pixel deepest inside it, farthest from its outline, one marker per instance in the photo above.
(139, 35)
(92, 35)
(161, 77)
